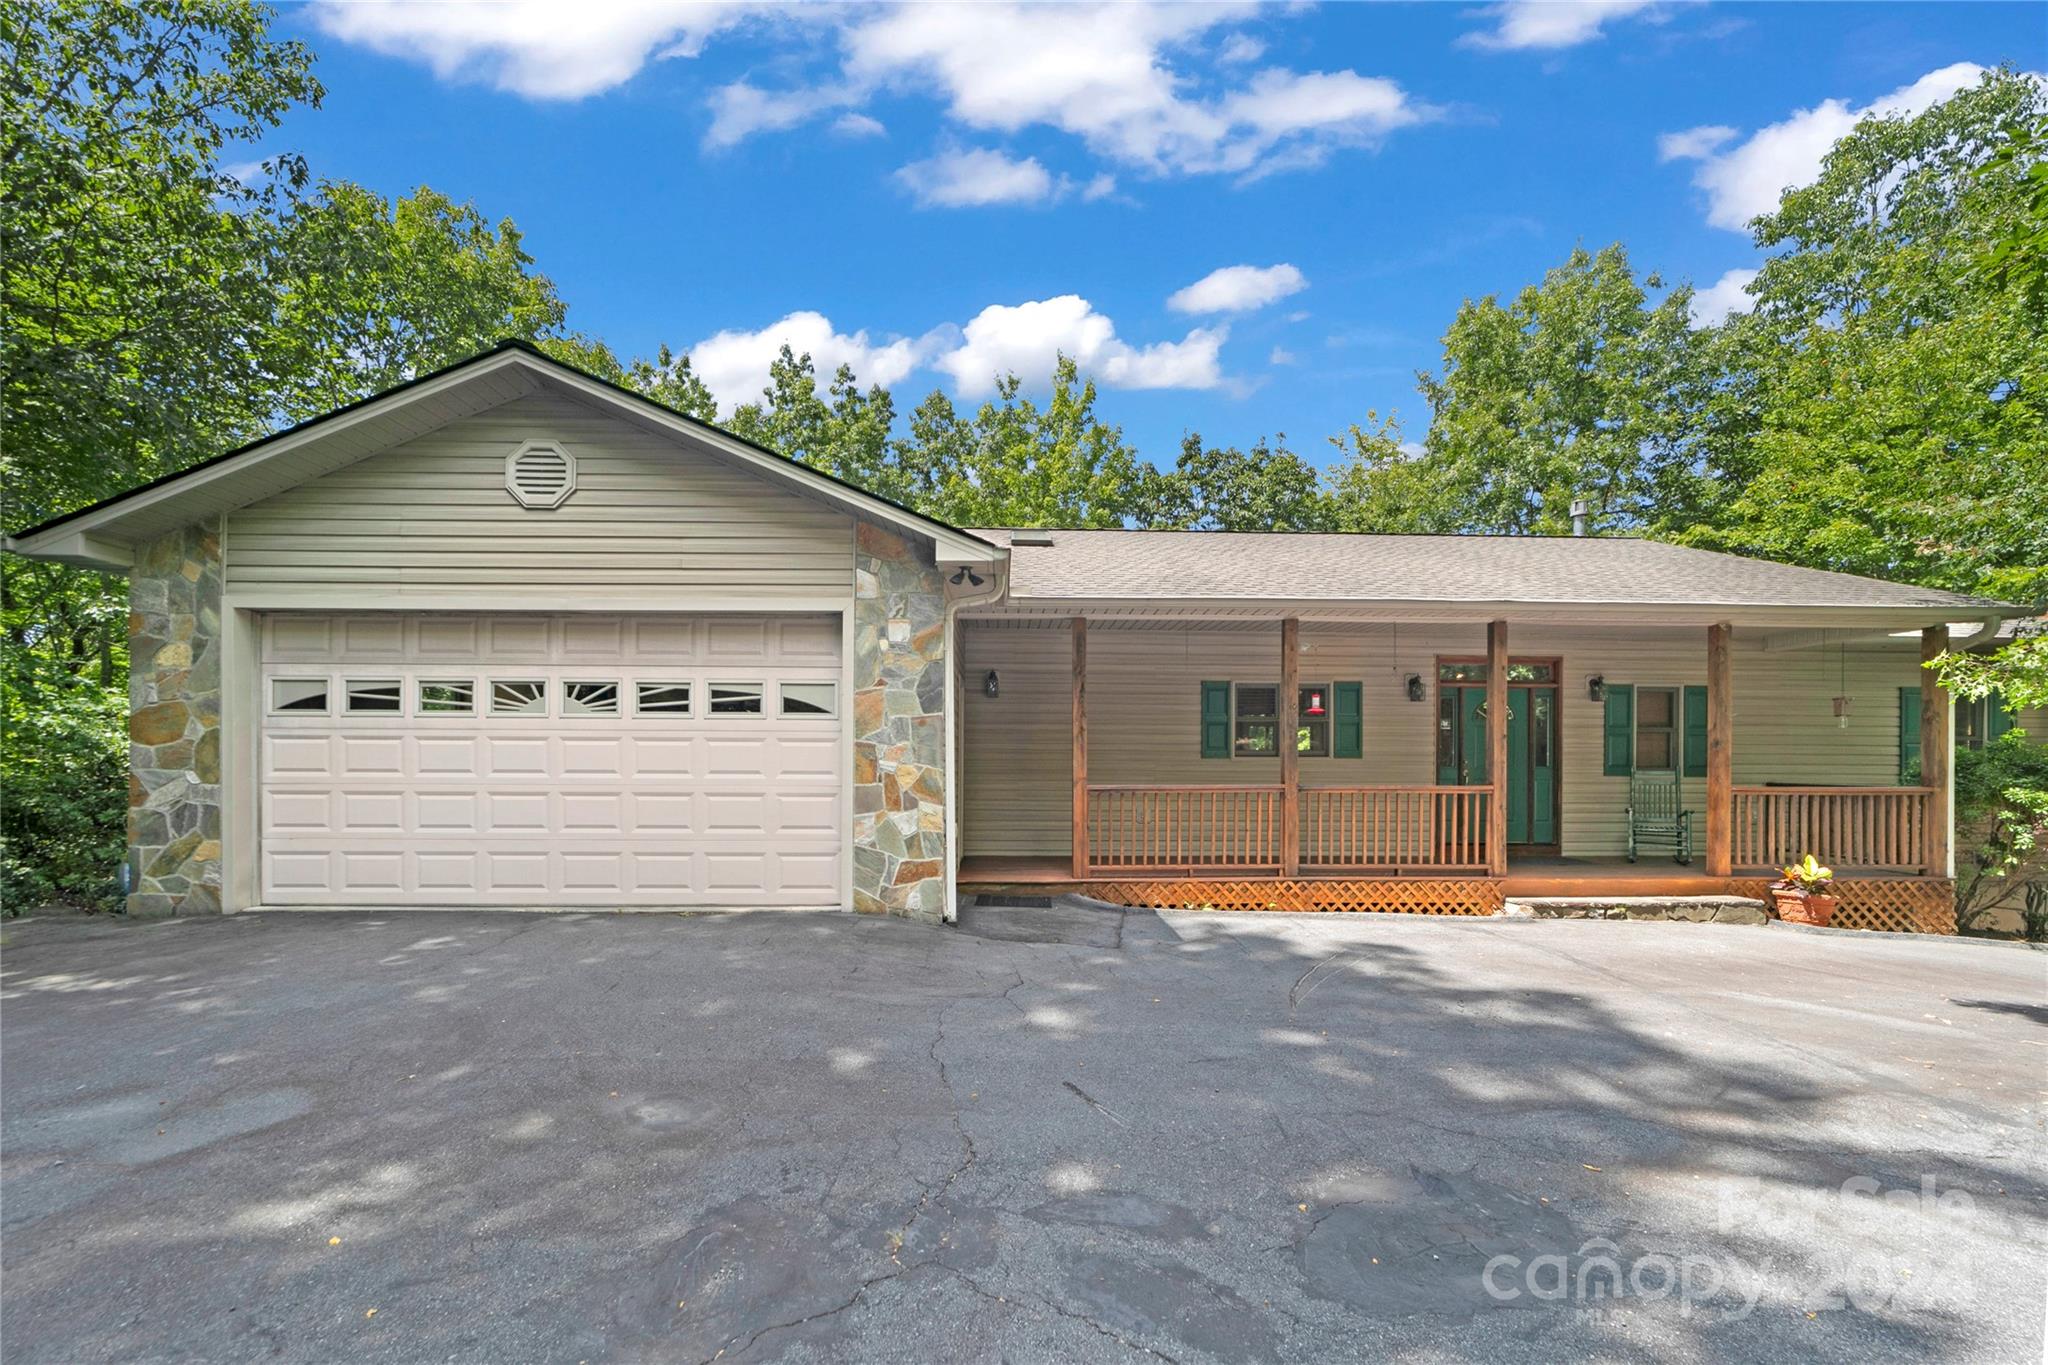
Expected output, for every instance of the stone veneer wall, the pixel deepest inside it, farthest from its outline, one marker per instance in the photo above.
(899, 728)
(174, 603)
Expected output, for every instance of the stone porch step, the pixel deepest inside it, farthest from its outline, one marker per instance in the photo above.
(1693, 909)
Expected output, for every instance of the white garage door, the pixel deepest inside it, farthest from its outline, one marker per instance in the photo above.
(433, 759)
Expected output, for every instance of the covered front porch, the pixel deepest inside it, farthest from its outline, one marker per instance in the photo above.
(1553, 813)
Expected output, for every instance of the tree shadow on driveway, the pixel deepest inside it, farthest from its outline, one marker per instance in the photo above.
(1197, 1137)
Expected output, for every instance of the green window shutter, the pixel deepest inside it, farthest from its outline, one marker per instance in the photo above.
(1695, 732)
(1909, 734)
(1997, 719)
(1347, 725)
(1618, 732)
(1215, 720)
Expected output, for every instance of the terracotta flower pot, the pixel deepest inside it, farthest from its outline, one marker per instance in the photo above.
(1803, 907)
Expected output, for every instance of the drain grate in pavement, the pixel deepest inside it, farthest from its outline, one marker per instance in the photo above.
(1015, 902)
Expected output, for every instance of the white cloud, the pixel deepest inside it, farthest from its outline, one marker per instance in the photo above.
(1123, 78)
(1282, 356)
(1027, 338)
(858, 125)
(977, 177)
(1694, 143)
(740, 110)
(541, 49)
(1101, 72)
(1549, 24)
(1238, 289)
(1747, 180)
(1240, 48)
(1729, 294)
(1101, 187)
(734, 365)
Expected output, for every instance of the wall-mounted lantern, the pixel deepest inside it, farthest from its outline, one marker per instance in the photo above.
(1596, 688)
(988, 684)
(1414, 686)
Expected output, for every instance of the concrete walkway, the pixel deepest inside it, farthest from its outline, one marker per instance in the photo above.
(1064, 1134)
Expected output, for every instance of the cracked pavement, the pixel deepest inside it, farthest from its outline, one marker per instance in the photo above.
(1065, 1134)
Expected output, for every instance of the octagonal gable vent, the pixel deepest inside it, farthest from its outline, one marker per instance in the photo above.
(540, 475)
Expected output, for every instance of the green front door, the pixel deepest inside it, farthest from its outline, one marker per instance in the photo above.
(1518, 765)
(1532, 754)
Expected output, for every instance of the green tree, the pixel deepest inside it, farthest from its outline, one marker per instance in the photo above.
(1018, 464)
(1576, 389)
(1266, 488)
(845, 431)
(1898, 389)
(1384, 485)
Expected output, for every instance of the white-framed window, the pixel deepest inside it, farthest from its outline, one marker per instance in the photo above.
(519, 696)
(736, 699)
(661, 698)
(590, 698)
(294, 696)
(367, 695)
(446, 696)
(809, 698)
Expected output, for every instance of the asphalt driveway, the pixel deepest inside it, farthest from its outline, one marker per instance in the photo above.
(1043, 1135)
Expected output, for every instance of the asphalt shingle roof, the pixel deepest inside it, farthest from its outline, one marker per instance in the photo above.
(1222, 565)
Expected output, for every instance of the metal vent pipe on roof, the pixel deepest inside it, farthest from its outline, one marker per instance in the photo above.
(1582, 511)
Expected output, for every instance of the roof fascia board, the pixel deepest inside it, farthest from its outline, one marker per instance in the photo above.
(952, 546)
(1822, 616)
(80, 549)
(106, 520)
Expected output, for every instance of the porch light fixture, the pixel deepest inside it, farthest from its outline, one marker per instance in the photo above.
(963, 574)
(1596, 688)
(1842, 713)
(1414, 686)
(988, 684)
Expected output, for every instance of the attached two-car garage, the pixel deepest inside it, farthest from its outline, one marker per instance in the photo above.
(578, 759)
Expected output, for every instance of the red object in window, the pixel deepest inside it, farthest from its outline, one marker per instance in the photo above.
(1315, 703)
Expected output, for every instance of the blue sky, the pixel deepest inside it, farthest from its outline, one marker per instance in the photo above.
(935, 192)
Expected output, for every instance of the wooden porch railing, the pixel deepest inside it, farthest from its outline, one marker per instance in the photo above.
(1133, 829)
(1424, 828)
(1219, 828)
(1872, 828)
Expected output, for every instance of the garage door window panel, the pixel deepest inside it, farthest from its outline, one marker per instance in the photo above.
(519, 697)
(662, 699)
(298, 696)
(375, 695)
(447, 696)
(809, 699)
(590, 698)
(736, 699)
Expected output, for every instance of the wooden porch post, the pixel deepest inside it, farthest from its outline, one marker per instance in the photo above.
(1497, 747)
(1936, 770)
(1720, 753)
(1080, 844)
(1290, 747)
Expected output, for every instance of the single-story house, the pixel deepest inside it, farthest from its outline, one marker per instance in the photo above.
(511, 636)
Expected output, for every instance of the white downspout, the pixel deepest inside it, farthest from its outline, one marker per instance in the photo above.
(956, 753)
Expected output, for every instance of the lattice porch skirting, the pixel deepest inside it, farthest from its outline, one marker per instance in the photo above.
(1410, 896)
(1901, 905)
(1895, 904)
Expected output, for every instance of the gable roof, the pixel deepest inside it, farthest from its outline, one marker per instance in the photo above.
(1342, 573)
(104, 534)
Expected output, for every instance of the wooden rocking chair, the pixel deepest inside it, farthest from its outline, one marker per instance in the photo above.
(1657, 816)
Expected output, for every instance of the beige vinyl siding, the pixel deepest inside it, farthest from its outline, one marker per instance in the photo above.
(649, 516)
(1144, 694)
